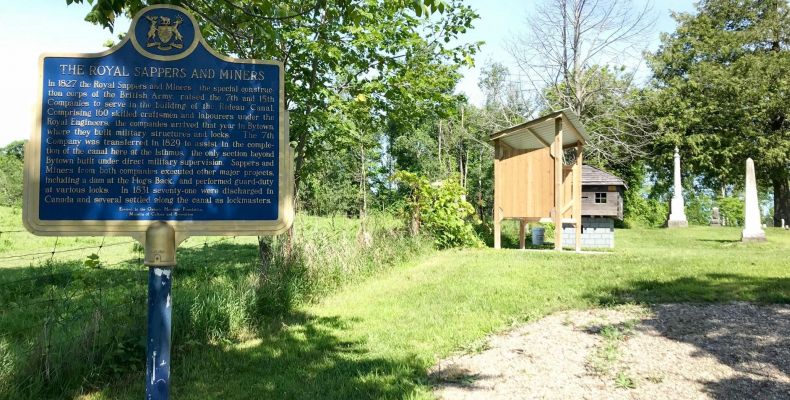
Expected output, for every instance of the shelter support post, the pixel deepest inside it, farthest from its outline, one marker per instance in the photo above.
(522, 234)
(497, 227)
(497, 199)
(577, 196)
(558, 187)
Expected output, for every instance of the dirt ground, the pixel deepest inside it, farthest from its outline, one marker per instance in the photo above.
(675, 351)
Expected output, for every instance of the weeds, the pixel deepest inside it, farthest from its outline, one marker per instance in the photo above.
(320, 265)
(478, 346)
(623, 381)
(604, 362)
(76, 325)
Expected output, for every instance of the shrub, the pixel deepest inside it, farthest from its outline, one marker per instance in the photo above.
(698, 208)
(549, 227)
(646, 212)
(440, 209)
(731, 209)
(10, 181)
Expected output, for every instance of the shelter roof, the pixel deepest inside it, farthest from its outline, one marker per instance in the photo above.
(594, 176)
(539, 132)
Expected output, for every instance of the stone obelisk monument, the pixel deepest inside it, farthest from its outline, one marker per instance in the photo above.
(752, 228)
(677, 215)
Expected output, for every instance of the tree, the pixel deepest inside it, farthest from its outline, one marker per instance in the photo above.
(722, 84)
(572, 57)
(334, 51)
(505, 103)
(613, 115)
(327, 47)
(14, 149)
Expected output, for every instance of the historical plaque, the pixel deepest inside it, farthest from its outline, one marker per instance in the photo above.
(159, 128)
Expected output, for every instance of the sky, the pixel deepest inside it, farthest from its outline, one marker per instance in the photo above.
(29, 28)
(503, 20)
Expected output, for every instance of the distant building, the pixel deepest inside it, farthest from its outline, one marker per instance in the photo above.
(602, 193)
(602, 202)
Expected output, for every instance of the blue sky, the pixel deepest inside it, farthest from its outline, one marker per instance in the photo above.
(502, 20)
(29, 28)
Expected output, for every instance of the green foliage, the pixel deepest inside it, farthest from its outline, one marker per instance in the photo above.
(379, 338)
(722, 93)
(82, 323)
(731, 209)
(331, 190)
(356, 71)
(645, 211)
(68, 324)
(104, 12)
(549, 233)
(359, 74)
(92, 261)
(14, 149)
(623, 381)
(11, 168)
(375, 336)
(326, 260)
(698, 207)
(505, 103)
(441, 210)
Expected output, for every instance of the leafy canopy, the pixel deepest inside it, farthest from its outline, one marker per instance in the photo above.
(355, 71)
(723, 80)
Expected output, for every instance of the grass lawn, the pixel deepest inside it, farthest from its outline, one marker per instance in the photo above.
(376, 339)
(72, 310)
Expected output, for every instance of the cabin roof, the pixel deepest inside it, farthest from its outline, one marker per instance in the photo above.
(594, 176)
(539, 133)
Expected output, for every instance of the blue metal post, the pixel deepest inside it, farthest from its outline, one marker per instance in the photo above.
(157, 373)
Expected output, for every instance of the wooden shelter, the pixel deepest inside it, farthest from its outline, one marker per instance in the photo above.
(532, 182)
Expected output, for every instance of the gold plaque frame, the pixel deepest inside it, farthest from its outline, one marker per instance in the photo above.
(137, 228)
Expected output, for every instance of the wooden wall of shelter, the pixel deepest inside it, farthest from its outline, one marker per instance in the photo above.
(532, 182)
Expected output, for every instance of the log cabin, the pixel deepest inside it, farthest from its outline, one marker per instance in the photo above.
(602, 193)
(602, 203)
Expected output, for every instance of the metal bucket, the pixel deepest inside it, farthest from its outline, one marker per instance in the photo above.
(538, 235)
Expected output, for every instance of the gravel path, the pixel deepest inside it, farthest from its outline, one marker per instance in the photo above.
(677, 351)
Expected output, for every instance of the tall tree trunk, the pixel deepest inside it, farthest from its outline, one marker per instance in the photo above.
(781, 198)
(363, 237)
(363, 191)
(565, 72)
(441, 169)
(299, 158)
(265, 254)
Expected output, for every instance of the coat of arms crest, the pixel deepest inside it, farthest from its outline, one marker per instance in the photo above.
(163, 33)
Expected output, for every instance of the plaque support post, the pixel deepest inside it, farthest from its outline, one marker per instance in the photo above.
(160, 257)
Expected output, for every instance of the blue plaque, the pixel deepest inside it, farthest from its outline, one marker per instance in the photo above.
(159, 128)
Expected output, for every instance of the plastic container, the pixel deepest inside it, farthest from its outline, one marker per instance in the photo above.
(538, 235)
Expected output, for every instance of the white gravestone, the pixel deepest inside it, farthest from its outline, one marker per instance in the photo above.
(677, 216)
(752, 229)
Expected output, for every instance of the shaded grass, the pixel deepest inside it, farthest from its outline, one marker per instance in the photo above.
(67, 328)
(377, 339)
